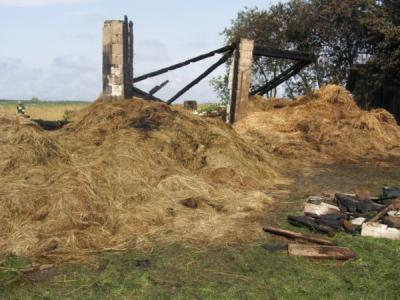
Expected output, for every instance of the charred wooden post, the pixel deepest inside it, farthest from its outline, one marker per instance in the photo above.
(190, 105)
(117, 59)
(239, 81)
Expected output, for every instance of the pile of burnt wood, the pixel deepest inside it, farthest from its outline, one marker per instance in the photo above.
(371, 216)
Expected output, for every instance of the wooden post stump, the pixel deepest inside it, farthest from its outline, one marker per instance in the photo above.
(190, 105)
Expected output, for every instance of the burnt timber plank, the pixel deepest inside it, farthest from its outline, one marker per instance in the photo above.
(283, 54)
(285, 75)
(185, 63)
(221, 61)
(158, 88)
(321, 252)
(136, 92)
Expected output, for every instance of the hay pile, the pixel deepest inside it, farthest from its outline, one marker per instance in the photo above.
(118, 177)
(325, 126)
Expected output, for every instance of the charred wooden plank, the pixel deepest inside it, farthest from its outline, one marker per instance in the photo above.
(142, 94)
(158, 88)
(221, 61)
(311, 224)
(285, 75)
(296, 235)
(185, 63)
(283, 54)
(321, 252)
(395, 203)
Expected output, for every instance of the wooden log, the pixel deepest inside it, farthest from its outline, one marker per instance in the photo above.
(381, 214)
(302, 221)
(321, 252)
(394, 204)
(296, 235)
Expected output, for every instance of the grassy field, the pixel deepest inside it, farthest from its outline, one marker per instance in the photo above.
(45, 110)
(231, 272)
(249, 272)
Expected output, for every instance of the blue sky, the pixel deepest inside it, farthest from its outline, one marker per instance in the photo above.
(51, 49)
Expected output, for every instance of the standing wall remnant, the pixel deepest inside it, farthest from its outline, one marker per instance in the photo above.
(239, 81)
(117, 59)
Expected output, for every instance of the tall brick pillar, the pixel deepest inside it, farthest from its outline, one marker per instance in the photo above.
(117, 59)
(239, 81)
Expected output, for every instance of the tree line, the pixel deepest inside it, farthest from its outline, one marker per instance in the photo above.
(341, 33)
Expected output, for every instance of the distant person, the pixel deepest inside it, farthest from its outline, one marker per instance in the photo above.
(21, 108)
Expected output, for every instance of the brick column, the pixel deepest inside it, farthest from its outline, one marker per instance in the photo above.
(239, 81)
(117, 59)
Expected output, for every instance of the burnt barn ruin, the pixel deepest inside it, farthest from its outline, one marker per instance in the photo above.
(119, 82)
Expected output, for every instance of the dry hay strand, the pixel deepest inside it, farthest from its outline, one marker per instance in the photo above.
(326, 126)
(116, 177)
(24, 142)
(258, 103)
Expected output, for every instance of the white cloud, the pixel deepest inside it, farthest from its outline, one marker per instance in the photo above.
(9, 63)
(75, 62)
(22, 3)
(67, 78)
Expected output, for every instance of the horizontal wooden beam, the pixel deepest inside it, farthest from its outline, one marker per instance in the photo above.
(283, 54)
(185, 63)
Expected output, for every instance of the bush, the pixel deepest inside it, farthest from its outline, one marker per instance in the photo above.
(67, 115)
(207, 108)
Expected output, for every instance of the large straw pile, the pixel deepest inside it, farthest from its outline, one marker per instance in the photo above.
(324, 126)
(115, 179)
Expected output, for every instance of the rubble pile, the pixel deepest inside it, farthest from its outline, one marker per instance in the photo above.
(377, 217)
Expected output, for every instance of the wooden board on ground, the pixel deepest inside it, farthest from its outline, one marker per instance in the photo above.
(322, 252)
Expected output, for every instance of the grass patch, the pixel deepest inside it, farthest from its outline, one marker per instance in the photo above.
(208, 108)
(9, 272)
(179, 272)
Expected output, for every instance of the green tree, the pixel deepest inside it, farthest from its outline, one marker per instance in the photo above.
(340, 32)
